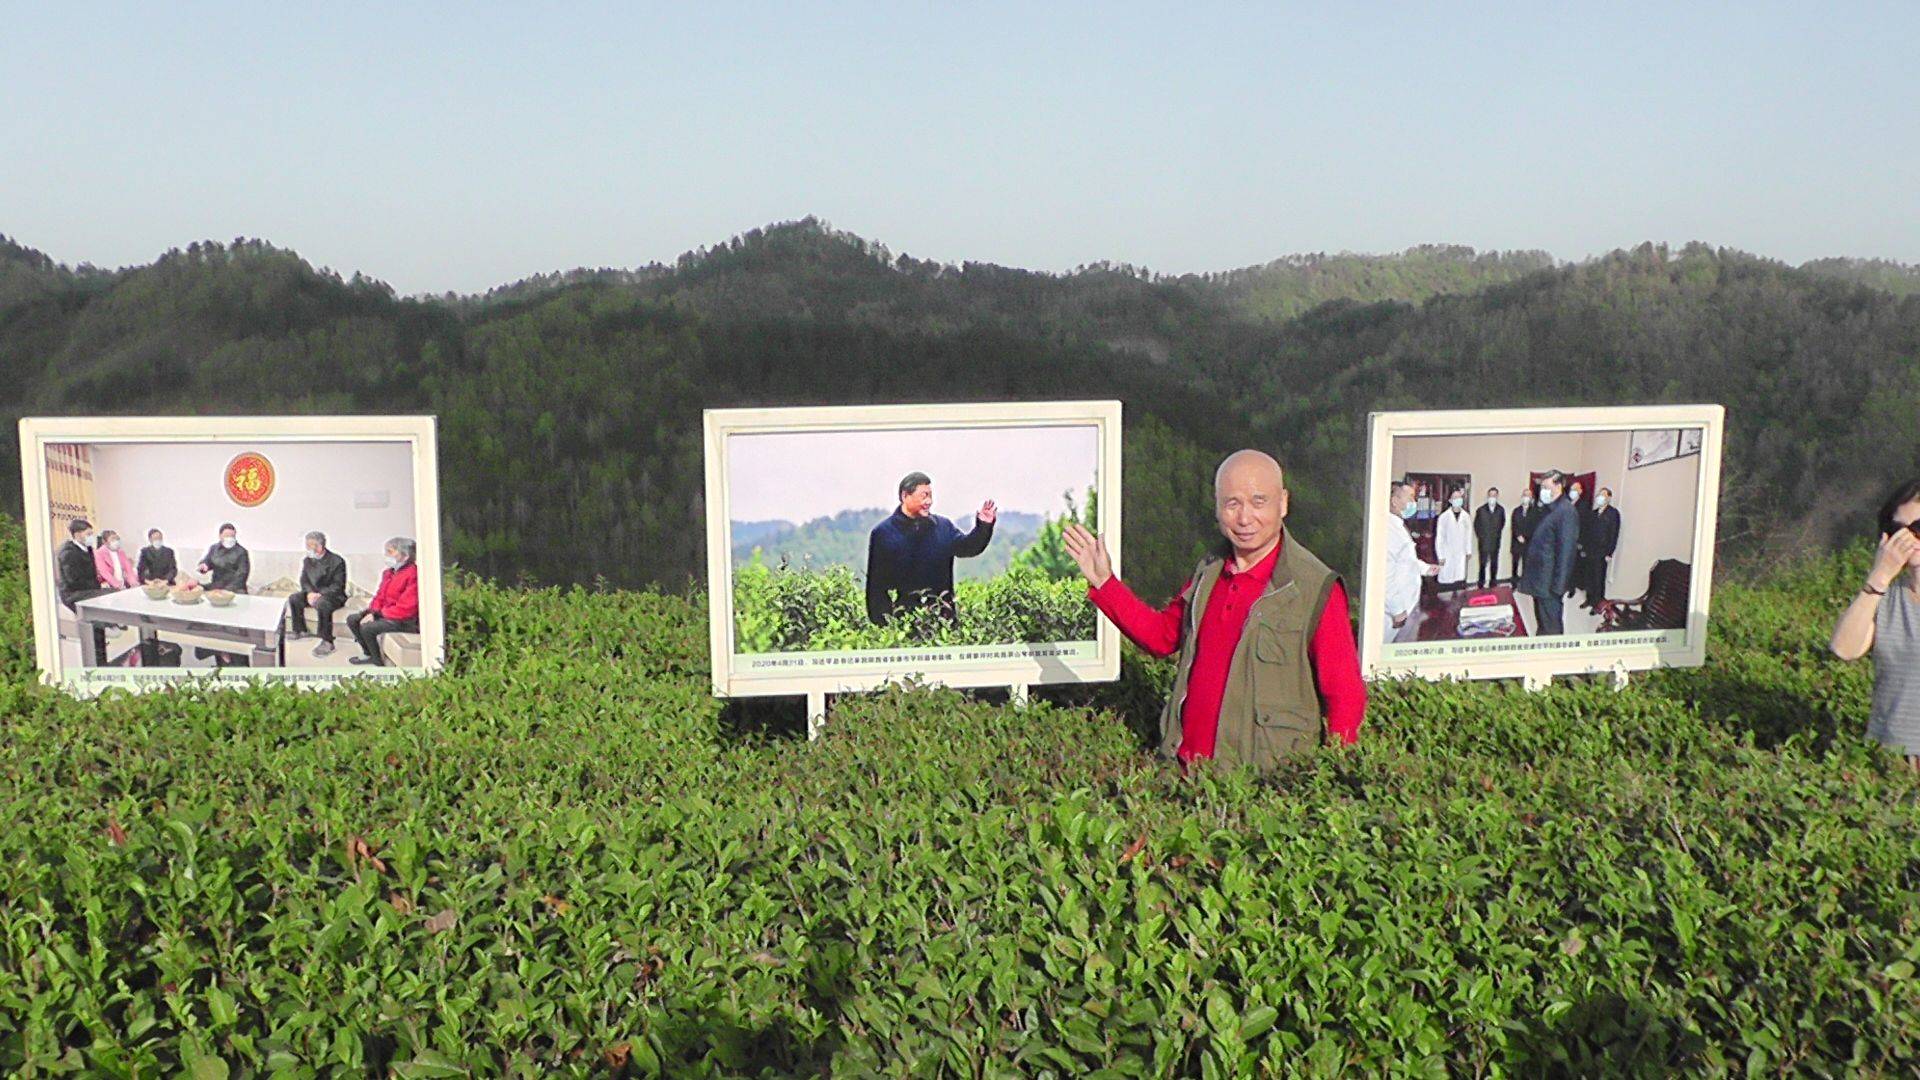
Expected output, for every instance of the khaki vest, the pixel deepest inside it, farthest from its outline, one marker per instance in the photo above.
(1271, 709)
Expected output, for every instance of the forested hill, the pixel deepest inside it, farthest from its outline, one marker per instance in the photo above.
(570, 404)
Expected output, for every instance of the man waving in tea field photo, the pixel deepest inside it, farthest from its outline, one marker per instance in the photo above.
(1267, 665)
(910, 554)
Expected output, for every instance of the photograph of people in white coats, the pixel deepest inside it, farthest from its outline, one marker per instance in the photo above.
(1405, 570)
(1481, 570)
(1453, 541)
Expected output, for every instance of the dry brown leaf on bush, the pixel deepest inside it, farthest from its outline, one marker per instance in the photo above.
(555, 904)
(358, 851)
(616, 1055)
(442, 922)
(116, 835)
(1133, 849)
(400, 903)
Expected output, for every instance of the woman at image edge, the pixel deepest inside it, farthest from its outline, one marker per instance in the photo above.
(1885, 618)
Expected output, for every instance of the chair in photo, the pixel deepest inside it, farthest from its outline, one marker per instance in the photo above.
(1662, 607)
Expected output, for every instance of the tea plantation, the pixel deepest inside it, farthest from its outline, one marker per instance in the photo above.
(563, 857)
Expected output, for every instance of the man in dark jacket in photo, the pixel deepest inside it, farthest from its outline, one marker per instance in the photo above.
(227, 562)
(1550, 555)
(157, 561)
(78, 579)
(1525, 517)
(1489, 521)
(1599, 538)
(910, 554)
(323, 587)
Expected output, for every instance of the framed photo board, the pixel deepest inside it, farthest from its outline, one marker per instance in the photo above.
(1613, 575)
(222, 550)
(851, 547)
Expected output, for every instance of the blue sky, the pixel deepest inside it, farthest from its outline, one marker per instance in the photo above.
(459, 147)
(799, 476)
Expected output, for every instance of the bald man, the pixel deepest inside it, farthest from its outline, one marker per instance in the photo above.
(1267, 667)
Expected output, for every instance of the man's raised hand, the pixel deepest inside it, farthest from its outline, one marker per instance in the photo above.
(988, 512)
(1089, 552)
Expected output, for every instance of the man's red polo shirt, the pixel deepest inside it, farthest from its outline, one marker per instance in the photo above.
(1335, 660)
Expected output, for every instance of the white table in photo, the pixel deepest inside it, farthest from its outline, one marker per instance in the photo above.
(257, 624)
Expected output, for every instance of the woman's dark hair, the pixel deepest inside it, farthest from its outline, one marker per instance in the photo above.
(1902, 495)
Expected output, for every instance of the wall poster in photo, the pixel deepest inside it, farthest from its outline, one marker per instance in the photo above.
(226, 550)
(1585, 543)
(850, 547)
(1651, 447)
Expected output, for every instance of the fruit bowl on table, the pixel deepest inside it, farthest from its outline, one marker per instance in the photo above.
(219, 597)
(189, 593)
(156, 590)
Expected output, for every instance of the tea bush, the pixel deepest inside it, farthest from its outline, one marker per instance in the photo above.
(564, 857)
(787, 609)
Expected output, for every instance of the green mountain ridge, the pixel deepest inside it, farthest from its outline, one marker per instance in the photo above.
(570, 404)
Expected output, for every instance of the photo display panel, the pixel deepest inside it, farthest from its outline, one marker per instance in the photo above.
(222, 550)
(1533, 542)
(853, 547)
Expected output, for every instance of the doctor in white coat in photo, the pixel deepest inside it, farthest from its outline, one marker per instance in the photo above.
(1453, 541)
(1404, 568)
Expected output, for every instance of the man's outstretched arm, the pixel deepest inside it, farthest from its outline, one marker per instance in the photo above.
(974, 542)
(1156, 630)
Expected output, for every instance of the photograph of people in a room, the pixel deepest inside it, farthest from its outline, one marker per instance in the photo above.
(932, 536)
(1538, 534)
(196, 556)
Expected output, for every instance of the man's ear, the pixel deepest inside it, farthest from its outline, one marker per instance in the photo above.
(1286, 496)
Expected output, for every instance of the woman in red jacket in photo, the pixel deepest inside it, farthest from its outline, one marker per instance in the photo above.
(396, 603)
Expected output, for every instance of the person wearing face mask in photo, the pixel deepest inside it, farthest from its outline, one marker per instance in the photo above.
(157, 562)
(1453, 541)
(1550, 552)
(111, 566)
(1404, 568)
(1582, 512)
(323, 587)
(1599, 538)
(1884, 620)
(79, 579)
(395, 607)
(227, 562)
(1525, 516)
(1489, 522)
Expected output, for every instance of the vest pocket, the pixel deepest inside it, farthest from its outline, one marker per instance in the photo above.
(1278, 683)
(1281, 734)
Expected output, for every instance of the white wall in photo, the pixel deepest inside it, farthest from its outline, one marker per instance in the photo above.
(1657, 505)
(179, 488)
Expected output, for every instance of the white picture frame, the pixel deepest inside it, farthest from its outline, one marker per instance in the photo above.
(258, 433)
(1536, 660)
(1018, 666)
